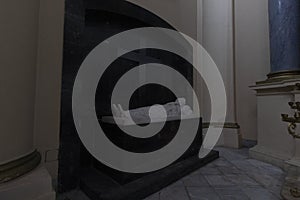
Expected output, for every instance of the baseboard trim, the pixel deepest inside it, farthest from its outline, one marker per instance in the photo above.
(19, 167)
(227, 125)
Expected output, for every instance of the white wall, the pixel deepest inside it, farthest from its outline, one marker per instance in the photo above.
(252, 59)
(181, 14)
(18, 53)
(217, 39)
(31, 43)
(21, 42)
(48, 81)
(211, 23)
(215, 33)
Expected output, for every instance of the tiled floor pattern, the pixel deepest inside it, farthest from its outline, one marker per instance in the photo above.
(234, 176)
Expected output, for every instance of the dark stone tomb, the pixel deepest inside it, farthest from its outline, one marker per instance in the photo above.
(88, 23)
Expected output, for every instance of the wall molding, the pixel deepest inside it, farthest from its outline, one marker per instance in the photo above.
(227, 125)
(19, 167)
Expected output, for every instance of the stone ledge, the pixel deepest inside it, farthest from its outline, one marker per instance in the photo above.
(19, 167)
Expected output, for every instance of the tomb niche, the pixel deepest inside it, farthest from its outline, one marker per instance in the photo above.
(88, 23)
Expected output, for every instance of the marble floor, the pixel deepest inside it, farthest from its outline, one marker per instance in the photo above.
(234, 176)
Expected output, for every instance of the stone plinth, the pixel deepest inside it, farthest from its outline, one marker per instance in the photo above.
(275, 145)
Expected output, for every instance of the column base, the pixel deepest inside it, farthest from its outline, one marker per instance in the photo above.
(19, 167)
(280, 76)
(230, 136)
(36, 185)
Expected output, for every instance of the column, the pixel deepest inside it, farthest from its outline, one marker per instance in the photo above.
(284, 19)
(17, 79)
(21, 174)
(217, 37)
(274, 145)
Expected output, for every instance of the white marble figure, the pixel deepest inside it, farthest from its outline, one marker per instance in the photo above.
(173, 109)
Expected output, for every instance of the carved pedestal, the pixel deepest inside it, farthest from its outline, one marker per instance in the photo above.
(291, 188)
(277, 143)
(274, 146)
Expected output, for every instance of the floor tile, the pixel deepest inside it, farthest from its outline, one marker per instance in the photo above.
(174, 193)
(242, 180)
(178, 183)
(210, 171)
(245, 165)
(195, 180)
(266, 168)
(259, 193)
(222, 162)
(153, 197)
(230, 170)
(203, 193)
(218, 180)
(231, 193)
(234, 176)
(265, 180)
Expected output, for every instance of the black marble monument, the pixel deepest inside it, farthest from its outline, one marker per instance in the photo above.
(88, 23)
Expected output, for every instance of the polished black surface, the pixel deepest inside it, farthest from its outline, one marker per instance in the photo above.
(87, 23)
(98, 185)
